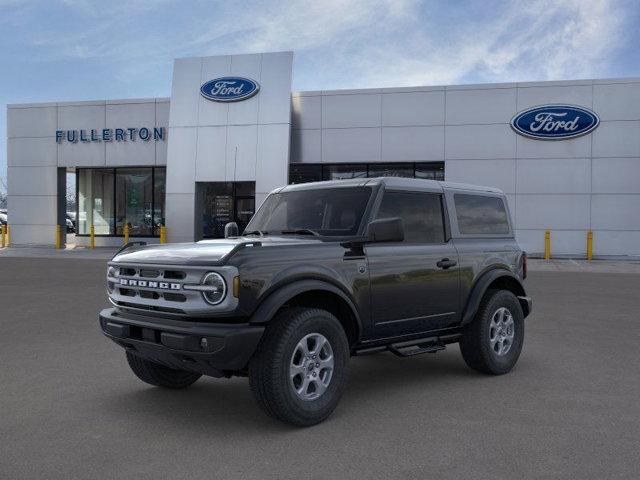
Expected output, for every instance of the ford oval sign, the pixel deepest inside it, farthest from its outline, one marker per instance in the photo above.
(229, 89)
(555, 122)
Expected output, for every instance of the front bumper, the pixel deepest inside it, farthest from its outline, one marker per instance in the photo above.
(213, 349)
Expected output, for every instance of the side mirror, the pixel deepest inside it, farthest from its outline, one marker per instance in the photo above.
(386, 230)
(231, 230)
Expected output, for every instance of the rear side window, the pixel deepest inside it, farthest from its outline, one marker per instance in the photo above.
(421, 214)
(478, 214)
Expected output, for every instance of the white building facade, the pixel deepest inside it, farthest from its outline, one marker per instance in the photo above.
(211, 152)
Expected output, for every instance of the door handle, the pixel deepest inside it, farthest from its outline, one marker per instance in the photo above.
(446, 263)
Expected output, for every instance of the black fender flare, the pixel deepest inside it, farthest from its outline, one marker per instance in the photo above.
(482, 285)
(281, 295)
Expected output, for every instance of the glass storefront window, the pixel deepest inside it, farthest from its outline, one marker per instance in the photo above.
(159, 194)
(221, 202)
(430, 171)
(341, 172)
(134, 193)
(95, 201)
(109, 198)
(305, 173)
(309, 172)
(391, 170)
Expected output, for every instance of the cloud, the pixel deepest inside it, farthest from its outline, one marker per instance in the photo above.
(360, 43)
(543, 40)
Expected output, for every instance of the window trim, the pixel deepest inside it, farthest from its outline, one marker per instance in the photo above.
(155, 231)
(406, 191)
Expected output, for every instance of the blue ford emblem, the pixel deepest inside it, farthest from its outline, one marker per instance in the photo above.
(229, 89)
(555, 122)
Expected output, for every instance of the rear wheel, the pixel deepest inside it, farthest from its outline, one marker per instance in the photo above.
(299, 370)
(159, 375)
(492, 342)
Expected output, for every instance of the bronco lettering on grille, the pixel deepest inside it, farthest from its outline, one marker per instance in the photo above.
(148, 284)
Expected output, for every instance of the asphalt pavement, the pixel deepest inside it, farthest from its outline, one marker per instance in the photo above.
(71, 409)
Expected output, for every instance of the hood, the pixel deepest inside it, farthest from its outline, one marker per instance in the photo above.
(204, 252)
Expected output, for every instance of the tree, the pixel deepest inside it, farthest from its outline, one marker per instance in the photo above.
(3, 193)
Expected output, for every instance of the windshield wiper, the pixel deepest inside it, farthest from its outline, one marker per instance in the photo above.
(301, 231)
(255, 232)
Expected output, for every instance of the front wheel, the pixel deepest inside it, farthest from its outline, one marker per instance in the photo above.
(492, 342)
(299, 371)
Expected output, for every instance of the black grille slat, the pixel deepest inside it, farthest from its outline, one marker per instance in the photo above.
(174, 297)
(149, 294)
(174, 275)
(146, 273)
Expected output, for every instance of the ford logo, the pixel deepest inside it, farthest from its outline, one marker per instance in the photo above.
(555, 122)
(229, 89)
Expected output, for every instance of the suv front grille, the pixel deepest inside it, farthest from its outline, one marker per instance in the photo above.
(153, 287)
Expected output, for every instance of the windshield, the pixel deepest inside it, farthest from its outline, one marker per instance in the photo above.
(325, 211)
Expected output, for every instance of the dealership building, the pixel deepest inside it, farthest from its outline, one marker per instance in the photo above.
(566, 154)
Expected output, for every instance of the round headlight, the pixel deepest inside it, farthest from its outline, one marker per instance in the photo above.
(216, 289)
(111, 273)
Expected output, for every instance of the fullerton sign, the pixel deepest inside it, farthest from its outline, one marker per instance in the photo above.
(111, 135)
(555, 122)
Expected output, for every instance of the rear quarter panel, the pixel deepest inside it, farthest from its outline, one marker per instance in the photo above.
(477, 254)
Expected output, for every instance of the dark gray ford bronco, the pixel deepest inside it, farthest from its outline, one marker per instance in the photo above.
(325, 271)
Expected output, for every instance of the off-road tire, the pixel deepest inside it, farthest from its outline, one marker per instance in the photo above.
(475, 345)
(269, 376)
(159, 375)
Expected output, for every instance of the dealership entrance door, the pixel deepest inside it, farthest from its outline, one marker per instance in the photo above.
(218, 203)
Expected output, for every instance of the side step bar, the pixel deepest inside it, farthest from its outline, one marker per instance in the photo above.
(409, 349)
(413, 347)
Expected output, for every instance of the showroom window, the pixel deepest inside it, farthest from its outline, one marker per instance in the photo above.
(110, 198)
(313, 172)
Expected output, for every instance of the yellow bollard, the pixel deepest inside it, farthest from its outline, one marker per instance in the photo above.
(58, 236)
(8, 235)
(589, 245)
(92, 237)
(547, 244)
(3, 229)
(163, 234)
(126, 233)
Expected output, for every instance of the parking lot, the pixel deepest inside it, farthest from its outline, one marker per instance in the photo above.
(70, 407)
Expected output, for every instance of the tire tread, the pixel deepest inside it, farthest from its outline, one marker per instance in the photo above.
(265, 366)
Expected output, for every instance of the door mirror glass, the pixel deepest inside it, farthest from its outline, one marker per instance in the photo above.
(231, 230)
(386, 230)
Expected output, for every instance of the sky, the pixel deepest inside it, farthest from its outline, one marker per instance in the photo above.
(88, 50)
